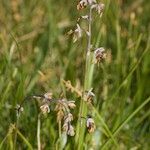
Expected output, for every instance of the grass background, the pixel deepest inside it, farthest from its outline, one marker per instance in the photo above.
(36, 53)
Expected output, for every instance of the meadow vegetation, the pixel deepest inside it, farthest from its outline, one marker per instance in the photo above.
(38, 56)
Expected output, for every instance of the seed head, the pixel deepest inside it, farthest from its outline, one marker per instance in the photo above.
(48, 96)
(68, 128)
(99, 54)
(71, 104)
(45, 108)
(60, 111)
(68, 118)
(60, 115)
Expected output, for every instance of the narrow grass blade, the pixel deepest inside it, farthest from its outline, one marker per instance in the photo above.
(127, 120)
(130, 73)
(105, 126)
(23, 138)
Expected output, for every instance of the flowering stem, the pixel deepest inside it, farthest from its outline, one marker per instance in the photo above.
(89, 68)
(38, 133)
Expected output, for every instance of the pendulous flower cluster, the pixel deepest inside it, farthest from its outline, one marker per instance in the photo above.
(67, 127)
(63, 107)
(63, 113)
(98, 7)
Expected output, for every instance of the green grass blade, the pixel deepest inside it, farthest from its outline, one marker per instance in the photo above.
(130, 73)
(127, 120)
(105, 126)
(23, 138)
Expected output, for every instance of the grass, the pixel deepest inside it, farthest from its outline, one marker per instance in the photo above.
(36, 54)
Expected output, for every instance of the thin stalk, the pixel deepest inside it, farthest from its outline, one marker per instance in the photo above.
(23, 138)
(60, 139)
(87, 84)
(38, 133)
(15, 136)
(2, 142)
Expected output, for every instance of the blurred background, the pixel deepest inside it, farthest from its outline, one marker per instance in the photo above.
(36, 53)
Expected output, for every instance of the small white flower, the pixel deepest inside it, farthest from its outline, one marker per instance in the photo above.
(83, 3)
(85, 17)
(77, 33)
(99, 8)
(45, 108)
(89, 96)
(19, 109)
(48, 96)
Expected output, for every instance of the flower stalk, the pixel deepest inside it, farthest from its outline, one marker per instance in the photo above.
(89, 68)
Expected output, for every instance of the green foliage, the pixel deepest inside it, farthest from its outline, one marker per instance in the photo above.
(36, 53)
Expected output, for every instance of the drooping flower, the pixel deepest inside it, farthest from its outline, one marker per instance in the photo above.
(69, 129)
(68, 118)
(45, 108)
(90, 124)
(71, 104)
(77, 34)
(99, 54)
(83, 3)
(48, 96)
(99, 7)
(89, 96)
(19, 109)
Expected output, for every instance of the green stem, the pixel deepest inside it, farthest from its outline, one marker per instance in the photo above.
(60, 138)
(89, 68)
(38, 133)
